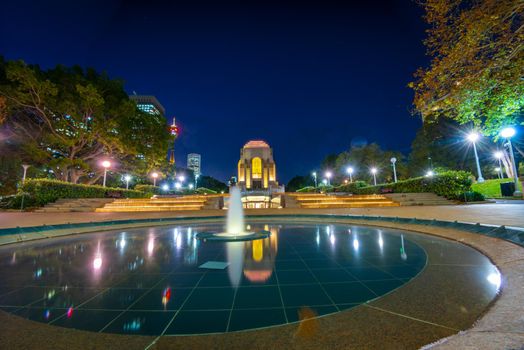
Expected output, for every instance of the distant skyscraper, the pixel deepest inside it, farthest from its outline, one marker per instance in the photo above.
(148, 104)
(193, 162)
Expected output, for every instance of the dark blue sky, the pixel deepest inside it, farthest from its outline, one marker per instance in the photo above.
(307, 78)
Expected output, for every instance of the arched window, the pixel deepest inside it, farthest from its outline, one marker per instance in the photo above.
(256, 168)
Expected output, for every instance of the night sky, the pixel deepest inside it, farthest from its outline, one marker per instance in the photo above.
(310, 79)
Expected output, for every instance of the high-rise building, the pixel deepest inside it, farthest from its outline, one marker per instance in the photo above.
(194, 163)
(148, 104)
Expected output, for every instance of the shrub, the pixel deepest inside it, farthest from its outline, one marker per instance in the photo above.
(203, 190)
(450, 184)
(148, 189)
(351, 187)
(472, 196)
(307, 189)
(43, 191)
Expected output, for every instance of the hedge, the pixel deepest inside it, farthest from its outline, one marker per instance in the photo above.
(449, 184)
(148, 189)
(39, 192)
(204, 190)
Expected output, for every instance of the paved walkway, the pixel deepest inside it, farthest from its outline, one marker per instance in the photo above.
(493, 214)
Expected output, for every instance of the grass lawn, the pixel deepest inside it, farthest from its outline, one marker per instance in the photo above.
(490, 188)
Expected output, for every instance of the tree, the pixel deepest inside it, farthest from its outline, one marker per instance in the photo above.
(68, 119)
(363, 158)
(477, 70)
(299, 182)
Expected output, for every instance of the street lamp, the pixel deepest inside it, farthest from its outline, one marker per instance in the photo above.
(154, 176)
(499, 156)
(196, 180)
(106, 164)
(325, 182)
(315, 178)
(165, 187)
(328, 175)
(393, 161)
(430, 173)
(374, 172)
(350, 170)
(508, 133)
(498, 171)
(473, 138)
(178, 185)
(127, 178)
(181, 178)
(25, 166)
(191, 186)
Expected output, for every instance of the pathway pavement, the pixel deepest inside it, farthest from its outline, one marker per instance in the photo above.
(493, 214)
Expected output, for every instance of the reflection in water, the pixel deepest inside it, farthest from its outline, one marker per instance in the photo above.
(495, 279)
(166, 296)
(69, 312)
(122, 242)
(150, 245)
(235, 258)
(97, 261)
(403, 254)
(356, 243)
(260, 256)
(132, 326)
(380, 242)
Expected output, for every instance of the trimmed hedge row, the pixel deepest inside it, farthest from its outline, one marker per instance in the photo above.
(39, 192)
(449, 184)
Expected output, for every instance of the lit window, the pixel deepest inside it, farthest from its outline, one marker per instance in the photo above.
(256, 165)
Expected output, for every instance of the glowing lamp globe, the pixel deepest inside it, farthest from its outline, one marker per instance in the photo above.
(349, 170)
(498, 154)
(508, 132)
(154, 175)
(473, 136)
(374, 170)
(106, 164)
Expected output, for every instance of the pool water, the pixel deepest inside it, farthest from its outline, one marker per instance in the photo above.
(163, 281)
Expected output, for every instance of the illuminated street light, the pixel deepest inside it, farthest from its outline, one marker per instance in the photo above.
(498, 171)
(314, 174)
(325, 182)
(374, 172)
(499, 156)
(127, 178)
(350, 170)
(473, 138)
(508, 133)
(178, 185)
(191, 186)
(181, 178)
(154, 176)
(25, 166)
(328, 175)
(106, 164)
(393, 161)
(430, 173)
(165, 187)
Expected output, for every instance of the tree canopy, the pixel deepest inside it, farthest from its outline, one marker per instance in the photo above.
(477, 71)
(67, 119)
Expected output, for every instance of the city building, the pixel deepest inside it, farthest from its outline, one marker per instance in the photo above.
(257, 169)
(148, 104)
(194, 163)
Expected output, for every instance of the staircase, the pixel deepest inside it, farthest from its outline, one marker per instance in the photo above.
(426, 198)
(157, 204)
(66, 205)
(320, 200)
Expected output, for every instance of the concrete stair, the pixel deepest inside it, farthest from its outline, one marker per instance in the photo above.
(426, 198)
(320, 200)
(156, 204)
(66, 205)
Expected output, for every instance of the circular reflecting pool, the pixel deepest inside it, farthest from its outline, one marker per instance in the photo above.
(163, 281)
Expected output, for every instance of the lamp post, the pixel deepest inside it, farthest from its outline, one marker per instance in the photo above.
(328, 177)
(154, 176)
(350, 170)
(498, 171)
(25, 166)
(106, 164)
(508, 133)
(181, 178)
(393, 161)
(499, 156)
(315, 178)
(127, 178)
(196, 180)
(374, 172)
(473, 137)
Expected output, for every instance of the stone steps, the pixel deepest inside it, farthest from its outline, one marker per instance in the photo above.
(323, 201)
(156, 204)
(65, 205)
(412, 199)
